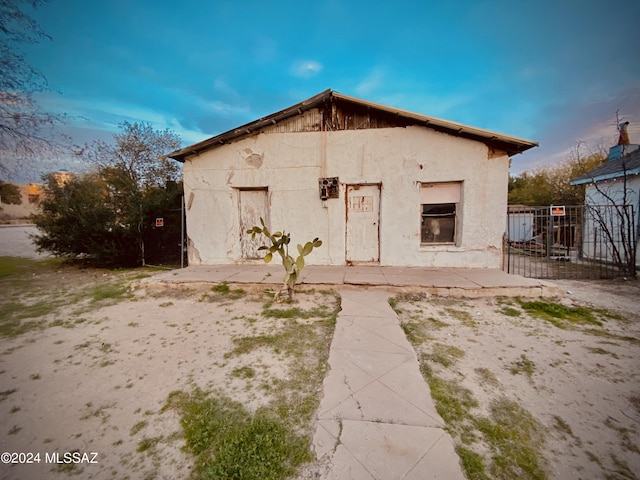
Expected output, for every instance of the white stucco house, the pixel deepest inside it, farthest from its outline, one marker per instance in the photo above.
(612, 198)
(376, 184)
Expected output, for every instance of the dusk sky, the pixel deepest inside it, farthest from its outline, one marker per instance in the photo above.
(554, 72)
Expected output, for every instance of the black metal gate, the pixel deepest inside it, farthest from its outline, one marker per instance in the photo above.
(570, 241)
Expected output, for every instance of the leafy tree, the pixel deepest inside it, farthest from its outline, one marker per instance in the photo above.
(529, 188)
(138, 152)
(77, 220)
(551, 185)
(132, 186)
(26, 130)
(10, 194)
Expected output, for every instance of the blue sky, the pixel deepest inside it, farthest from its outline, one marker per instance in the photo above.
(551, 71)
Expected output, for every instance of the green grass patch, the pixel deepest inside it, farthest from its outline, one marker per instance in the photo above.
(487, 376)
(473, 463)
(322, 311)
(223, 292)
(114, 292)
(138, 426)
(414, 331)
(560, 315)
(221, 288)
(516, 439)
(148, 443)
(453, 401)
(13, 327)
(393, 303)
(462, 315)
(445, 355)
(597, 332)
(230, 442)
(510, 311)
(15, 266)
(435, 324)
(292, 339)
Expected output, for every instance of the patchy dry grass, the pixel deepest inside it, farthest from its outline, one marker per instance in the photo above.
(210, 345)
(488, 363)
(35, 292)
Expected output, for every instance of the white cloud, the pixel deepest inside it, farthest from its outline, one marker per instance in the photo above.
(306, 68)
(188, 136)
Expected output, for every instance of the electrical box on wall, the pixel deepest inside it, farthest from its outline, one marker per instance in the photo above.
(329, 188)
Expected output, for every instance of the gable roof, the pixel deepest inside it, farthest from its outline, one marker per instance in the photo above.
(397, 117)
(629, 164)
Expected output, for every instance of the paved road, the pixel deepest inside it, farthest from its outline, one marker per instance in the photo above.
(15, 241)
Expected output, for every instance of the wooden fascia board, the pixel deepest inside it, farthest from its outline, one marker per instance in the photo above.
(509, 144)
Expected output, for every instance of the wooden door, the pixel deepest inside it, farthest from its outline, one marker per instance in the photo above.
(363, 223)
(253, 205)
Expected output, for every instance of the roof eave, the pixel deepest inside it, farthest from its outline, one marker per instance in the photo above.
(608, 176)
(510, 145)
(248, 128)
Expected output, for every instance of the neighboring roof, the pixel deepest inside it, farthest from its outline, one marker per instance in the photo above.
(520, 208)
(629, 164)
(511, 145)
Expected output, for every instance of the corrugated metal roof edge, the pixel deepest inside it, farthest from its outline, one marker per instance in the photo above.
(627, 165)
(599, 178)
(519, 144)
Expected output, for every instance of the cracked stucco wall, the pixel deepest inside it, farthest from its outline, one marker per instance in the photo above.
(400, 159)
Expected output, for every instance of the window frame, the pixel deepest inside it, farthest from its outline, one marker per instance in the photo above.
(445, 194)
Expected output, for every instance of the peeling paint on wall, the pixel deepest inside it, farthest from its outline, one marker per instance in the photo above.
(190, 201)
(253, 159)
(495, 153)
(230, 175)
(392, 160)
(194, 254)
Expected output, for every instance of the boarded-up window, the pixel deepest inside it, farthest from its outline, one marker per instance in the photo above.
(439, 205)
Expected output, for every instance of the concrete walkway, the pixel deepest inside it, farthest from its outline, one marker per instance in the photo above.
(376, 419)
(468, 282)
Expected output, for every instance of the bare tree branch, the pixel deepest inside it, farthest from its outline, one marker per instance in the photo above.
(27, 132)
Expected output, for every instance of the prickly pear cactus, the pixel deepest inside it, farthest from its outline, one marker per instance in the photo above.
(280, 245)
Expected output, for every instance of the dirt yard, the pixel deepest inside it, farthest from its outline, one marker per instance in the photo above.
(578, 377)
(89, 359)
